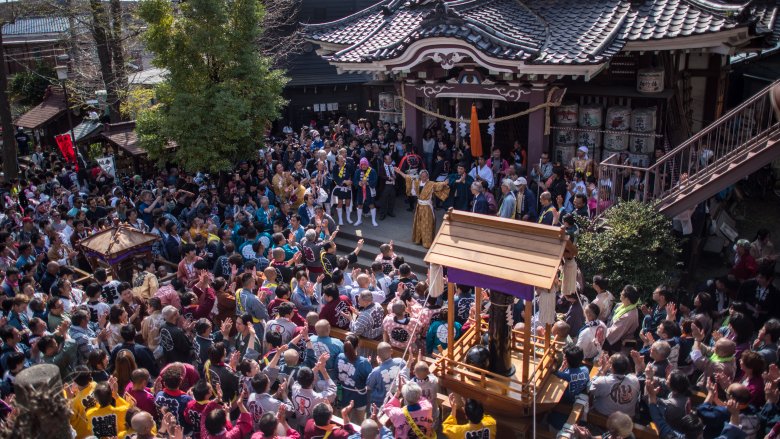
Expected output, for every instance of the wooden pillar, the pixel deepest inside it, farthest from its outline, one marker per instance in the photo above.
(537, 141)
(493, 115)
(527, 341)
(411, 116)
(450, 319)
(478, 312)
(456, 125)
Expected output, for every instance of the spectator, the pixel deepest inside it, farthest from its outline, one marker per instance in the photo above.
(614, 389)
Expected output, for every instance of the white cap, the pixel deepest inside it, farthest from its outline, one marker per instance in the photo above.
(521, 182)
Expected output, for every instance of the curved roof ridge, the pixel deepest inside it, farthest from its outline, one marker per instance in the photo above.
(371, 35)
(545, 23)
(718, 7)
(612, 36)
(358, 14)
(497, 35)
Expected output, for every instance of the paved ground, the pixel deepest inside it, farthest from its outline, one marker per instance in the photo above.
(398, 229)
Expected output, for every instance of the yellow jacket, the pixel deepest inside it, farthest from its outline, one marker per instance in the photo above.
(484, 430)
(82, 402)
(108, 421)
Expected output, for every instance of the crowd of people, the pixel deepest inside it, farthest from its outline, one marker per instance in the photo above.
(244, 319)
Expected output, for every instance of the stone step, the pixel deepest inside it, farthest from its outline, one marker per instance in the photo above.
(346, 244)
(406, 249)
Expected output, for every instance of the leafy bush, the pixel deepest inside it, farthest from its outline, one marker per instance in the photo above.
(631, 243)
(30, 85)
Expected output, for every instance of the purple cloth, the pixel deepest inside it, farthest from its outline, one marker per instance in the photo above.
(523, 291)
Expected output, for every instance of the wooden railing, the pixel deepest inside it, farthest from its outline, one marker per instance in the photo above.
(695, 159)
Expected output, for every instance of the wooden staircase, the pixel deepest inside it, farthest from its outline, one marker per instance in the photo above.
(731, 148)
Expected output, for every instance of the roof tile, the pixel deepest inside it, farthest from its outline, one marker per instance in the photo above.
(538, 31)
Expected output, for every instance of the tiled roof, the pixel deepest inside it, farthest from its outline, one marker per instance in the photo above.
(52, 106)
(124, 136)
(533, 31)
(38, 25)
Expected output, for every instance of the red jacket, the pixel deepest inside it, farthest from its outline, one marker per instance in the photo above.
(242, 428)
(295, 317)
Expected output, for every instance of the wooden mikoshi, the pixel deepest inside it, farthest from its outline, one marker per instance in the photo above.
(116, 248)
(510, 258)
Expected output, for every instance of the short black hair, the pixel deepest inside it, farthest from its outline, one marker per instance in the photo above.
(631, 293)
(620, 364)
(215, 421)
(601, 281)
(285, 309)
(474, 411)
(305, 377)
(260, 383)
(273, 338)
(574, 355)
(321, 413)
(201, 390)
(128, 333)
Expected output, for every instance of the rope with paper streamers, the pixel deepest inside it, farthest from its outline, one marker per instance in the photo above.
(545, 106)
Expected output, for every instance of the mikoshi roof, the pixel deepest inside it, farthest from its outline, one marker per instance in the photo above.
(499, 252)
(116, 241)
(552, 32)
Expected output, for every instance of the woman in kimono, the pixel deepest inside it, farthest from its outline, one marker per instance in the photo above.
(424, 225)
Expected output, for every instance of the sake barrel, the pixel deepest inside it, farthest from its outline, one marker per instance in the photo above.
(564, 136)
(640, 160)
(650, 81)
(590, 139)
(618, 118)
(591, 116)
(616, 141)
(563, 153)
(566, 113)
(642, 144)
(643, 119)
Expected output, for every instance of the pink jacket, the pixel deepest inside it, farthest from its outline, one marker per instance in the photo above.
(291, 434)
(422, 416)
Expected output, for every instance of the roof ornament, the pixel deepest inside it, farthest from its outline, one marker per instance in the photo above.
(442, 13)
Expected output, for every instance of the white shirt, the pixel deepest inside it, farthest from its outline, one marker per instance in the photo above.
(485, 173)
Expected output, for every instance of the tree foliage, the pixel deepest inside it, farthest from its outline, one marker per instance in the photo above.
(138, 100)
(29, 86)
(220, 94)
(631, 244)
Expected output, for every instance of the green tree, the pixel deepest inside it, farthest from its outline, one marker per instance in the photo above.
(29, 86)
(631, 243)
(220, 94)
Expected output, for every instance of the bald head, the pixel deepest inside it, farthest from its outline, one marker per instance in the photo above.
(369, 429)
(291, 357)
(739, 392)
(399, 308)
(53, 267)
(322, 328)
(363, 280)
(384, 351)
(142, 423)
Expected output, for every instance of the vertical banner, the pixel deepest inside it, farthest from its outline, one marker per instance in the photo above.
(107, 164)
(65, 144)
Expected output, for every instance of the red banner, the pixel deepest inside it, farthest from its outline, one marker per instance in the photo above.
(65, 144)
